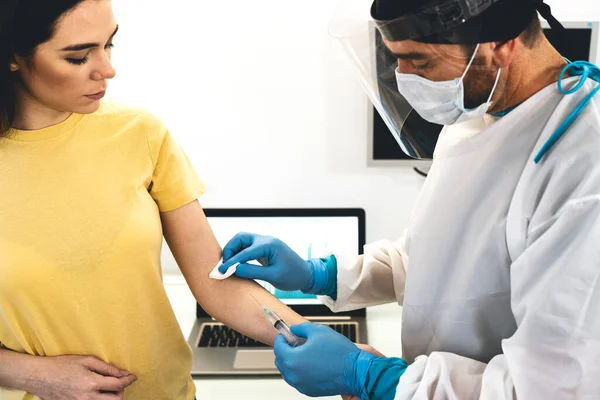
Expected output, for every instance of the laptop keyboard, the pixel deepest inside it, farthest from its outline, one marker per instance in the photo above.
(219, 335)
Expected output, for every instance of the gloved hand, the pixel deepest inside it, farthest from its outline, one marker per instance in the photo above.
(327, 364)
(368, 349)
(282, 267)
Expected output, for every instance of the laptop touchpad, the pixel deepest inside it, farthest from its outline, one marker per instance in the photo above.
(254, 359)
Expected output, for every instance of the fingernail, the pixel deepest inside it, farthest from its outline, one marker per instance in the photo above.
(124, 373)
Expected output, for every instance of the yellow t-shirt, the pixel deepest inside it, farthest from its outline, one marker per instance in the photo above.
(80, 243)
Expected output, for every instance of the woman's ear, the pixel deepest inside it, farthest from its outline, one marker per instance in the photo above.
(16, 63)
(14, 66)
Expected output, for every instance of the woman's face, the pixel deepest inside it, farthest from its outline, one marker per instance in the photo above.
(70, 72)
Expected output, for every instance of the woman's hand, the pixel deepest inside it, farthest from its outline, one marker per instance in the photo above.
(79, 378)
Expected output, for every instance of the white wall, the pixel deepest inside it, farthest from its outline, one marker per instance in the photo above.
(264, 103)
(575, 10)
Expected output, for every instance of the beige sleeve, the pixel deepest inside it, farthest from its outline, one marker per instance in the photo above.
(376, 277)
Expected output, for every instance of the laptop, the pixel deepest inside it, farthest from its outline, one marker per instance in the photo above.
(219, 350)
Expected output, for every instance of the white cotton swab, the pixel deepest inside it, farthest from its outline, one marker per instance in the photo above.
(215, 274)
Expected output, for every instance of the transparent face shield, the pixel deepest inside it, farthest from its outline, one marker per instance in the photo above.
(365, 42)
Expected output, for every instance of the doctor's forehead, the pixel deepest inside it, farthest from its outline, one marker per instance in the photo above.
(411, 50)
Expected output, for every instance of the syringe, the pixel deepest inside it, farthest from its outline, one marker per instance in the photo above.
(282, 327)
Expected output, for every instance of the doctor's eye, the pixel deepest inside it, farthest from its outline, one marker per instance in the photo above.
(421, 65)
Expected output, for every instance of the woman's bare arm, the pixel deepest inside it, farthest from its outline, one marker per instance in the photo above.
(16, 370)
(196, 251)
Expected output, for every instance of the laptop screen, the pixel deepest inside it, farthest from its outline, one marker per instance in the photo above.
(308, 235)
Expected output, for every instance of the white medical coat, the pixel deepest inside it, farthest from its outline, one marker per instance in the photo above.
(502, 297)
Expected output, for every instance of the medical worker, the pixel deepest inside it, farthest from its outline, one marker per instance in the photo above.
(499, 270)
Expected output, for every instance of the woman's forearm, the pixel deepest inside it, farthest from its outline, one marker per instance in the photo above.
(230, 302)
(197, 251)
(17, 371)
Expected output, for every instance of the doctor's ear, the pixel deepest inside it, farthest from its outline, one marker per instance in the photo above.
(505, 52)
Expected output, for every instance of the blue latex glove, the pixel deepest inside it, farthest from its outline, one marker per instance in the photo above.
(282, 267)
(327, 364)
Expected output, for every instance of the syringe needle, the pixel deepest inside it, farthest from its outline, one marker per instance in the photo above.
(261, 306)
(281, 326)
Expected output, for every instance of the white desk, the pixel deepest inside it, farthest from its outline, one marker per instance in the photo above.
(383, 324)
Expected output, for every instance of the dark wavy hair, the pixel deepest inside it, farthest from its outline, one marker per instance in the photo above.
(24, 25)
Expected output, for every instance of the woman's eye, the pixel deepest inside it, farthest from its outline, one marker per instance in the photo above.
(77, 61)
(81, 61)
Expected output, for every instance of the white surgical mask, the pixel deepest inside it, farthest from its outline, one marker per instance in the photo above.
(443, 102)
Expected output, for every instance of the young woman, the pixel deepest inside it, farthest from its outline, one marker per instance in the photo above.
(87, 189)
